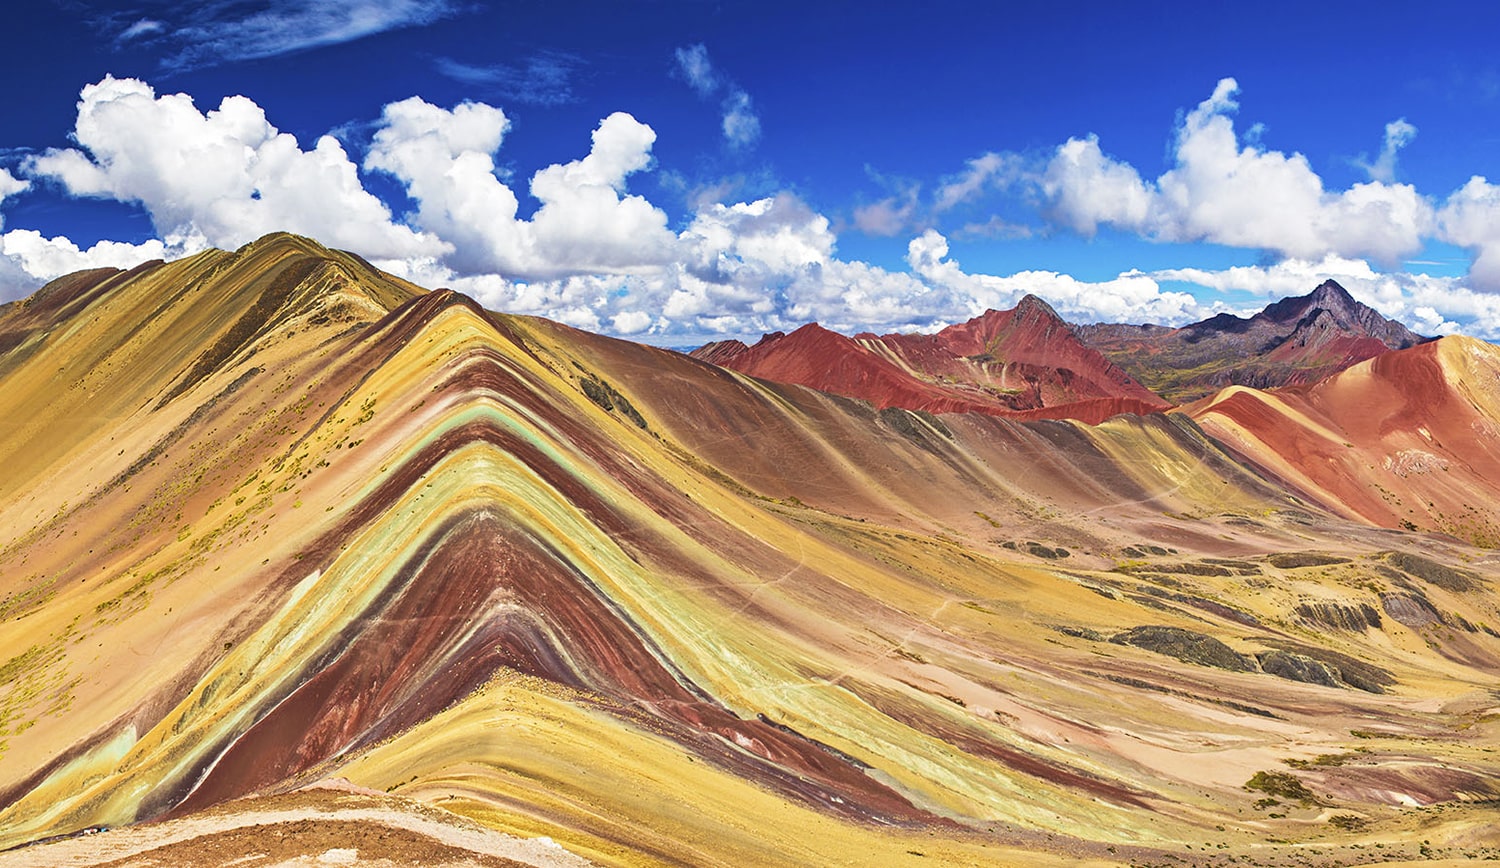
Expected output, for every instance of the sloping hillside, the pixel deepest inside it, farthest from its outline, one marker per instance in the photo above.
(1022, 363)
(271, 518)
(1407, 439)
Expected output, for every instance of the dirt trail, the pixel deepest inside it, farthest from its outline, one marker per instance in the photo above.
(322, 825)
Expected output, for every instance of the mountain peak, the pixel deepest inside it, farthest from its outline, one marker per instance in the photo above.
(1330, 292)
(1295, 340)
(810, 335)
(999, 362)
(1329, 296)
(978, 334)
(285, 243)
(1034, 306)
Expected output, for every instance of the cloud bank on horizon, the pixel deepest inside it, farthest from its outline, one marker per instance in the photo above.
(574, 244)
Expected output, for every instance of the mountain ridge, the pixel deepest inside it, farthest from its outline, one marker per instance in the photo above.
(1022, 362)
(1028, 360)
(1295, 340)
(1411, 413)
(652, 609)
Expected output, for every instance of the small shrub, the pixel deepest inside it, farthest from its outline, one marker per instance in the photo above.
(1283, 784)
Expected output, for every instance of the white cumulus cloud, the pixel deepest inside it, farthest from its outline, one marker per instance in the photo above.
(28, 259)
(227, 176)
(444, 159)
(1287, 277)
(587, 251)
(1130, 297)
(1471, 219)
(10, 185)
(1087, 188)
(47, 258)
(587, 222)
(1241, 195)
(1398, 134)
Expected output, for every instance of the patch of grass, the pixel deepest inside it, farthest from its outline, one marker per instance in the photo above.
(1324, 760)
(610, 400)
(1431, 571)
(26, 599)
(1282, 784)
(1185, 645)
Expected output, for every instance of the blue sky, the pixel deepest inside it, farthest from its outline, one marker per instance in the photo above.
(681, 171)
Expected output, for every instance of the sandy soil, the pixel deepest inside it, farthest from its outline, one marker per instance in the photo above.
(324, 825)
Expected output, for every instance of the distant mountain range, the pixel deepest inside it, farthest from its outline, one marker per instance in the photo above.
(1027, 362)
(1295, 340)
(1030, 363)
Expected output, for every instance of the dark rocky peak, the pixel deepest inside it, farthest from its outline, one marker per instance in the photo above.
(1329, 296)
(1032, 307)
(1218, 324)
(1350, 316)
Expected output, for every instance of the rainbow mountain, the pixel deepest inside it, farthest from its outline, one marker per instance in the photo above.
(292, 549)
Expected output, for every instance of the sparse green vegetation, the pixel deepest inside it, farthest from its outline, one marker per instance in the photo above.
(366, 411)
(26, 599)
(1284, 785)
(609, 399)
(1428, 570)
(1325, 760)
(1349, 822)
(1187, 646)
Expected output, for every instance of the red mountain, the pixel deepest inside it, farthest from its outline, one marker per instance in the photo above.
(1405, 439)
(1023, 362)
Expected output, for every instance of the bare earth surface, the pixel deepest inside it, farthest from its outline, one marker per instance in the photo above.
(270, 518)
(334, 824)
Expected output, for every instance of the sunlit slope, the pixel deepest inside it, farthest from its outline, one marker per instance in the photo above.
(96, 348)
(991, 478)
(1021, 363)
(575, 587)
(1408, 439)
(981, 491)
